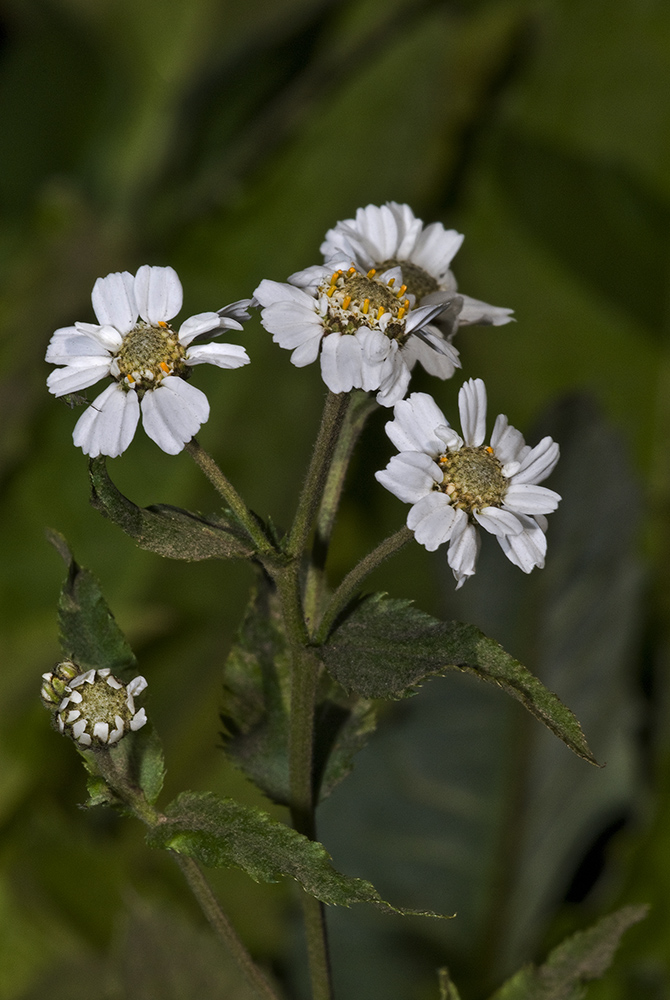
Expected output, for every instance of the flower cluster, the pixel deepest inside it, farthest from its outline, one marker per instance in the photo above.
(456, 483)
(148, 361)
(93, 707)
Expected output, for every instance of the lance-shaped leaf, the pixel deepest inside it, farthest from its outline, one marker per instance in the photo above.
(580, 959)
(168, 531)
(256, 706)
(222, 833)
(89, 634)
(386, 648)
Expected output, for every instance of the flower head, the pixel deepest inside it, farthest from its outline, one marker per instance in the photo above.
(93, 707)
(390, 235)
(457, 483)
(362, 323)
(135, 344)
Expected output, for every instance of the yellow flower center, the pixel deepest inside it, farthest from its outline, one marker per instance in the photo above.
(363, 300)
(147, 355)
(472, 478)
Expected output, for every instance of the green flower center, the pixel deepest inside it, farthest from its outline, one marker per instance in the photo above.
(419, 282)
(147, 355)
(102, 703)
(363, 300)
(472, 478)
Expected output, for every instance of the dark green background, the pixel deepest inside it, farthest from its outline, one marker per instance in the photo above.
(224, 139)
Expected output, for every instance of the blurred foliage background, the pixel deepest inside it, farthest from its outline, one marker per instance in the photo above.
(224, 138)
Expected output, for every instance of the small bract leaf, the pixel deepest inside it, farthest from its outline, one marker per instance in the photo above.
(447, 989)
(579, 959)
(168, 531)
(88, 631)
(385, 648)
(221, 833)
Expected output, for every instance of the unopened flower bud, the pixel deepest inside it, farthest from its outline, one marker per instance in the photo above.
(94, 707)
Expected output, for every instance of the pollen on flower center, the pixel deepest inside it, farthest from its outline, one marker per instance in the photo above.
(147, 355)
(356, 300)
(419, 282)
(472, 478)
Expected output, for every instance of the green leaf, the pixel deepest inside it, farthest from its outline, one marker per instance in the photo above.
(88, 632)
(256, 706)
(168, 531)
(583, 957)
(386, 648)
(222, 833)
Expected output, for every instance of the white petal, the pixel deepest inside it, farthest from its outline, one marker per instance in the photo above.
(527, 549)
(202, 323)
(173, 413)
(158, 293)
(432, 520)
(138, 720)
(84, 740)
(137, 685)
(106, 336)
(69, 344)
(113, 301)
(101, 731)
(506, 441)
(108, 425)
(311, 277)
(236, 313)
(527, 498)
(341, 362)
(375, 348)
(410, 476)
(222, 355)
(79, 374)
(435, 248)
(409, 229)
(291, 325)
(270, 292)
(395, 380)
(498, 521)
(472, 407)
(441, 360)
(79, 728)
(413, 425)
(474, 311)
(538, 462)
(463, 549)
(306, 353)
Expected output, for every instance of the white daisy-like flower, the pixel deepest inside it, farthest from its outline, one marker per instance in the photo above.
(390, 235)
(457, 483)
(94, 707)
(362, 324)
(135, 344)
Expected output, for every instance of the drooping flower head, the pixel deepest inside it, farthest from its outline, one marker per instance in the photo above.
(134, 343)
(362, 324)
(390, 235)
(456, 484)
(93, 707)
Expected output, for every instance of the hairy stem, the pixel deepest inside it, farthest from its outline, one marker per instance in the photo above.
(227, 492)
(353, 580)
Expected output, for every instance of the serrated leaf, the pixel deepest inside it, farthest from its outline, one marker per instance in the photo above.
(580, 959)
(222, 833)
(168, 531)
(255, 711)
(89, 634)
(386, 648)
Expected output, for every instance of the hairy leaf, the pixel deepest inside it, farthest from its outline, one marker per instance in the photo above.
(89, 634)
(168, 531)
(221, 833)
(386, 648)
(583, 957)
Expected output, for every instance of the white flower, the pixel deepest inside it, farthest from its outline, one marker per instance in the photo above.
(455, 483)
(96, 708)
(363, 325)
(135, 344)
(390, 235)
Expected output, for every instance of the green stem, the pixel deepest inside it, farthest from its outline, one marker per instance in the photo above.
(200, 887)
(310, 498)
(361, 406)
(227, 491)
(211, 908)
(353, 580)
